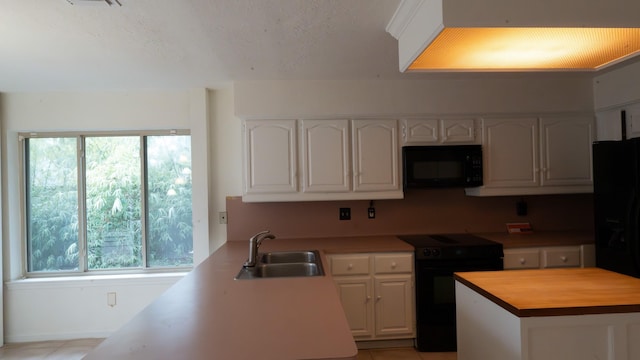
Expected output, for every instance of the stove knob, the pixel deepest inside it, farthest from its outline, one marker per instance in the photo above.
(436, 252)
(427, 252)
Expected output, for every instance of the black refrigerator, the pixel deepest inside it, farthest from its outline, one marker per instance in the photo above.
(616, 188)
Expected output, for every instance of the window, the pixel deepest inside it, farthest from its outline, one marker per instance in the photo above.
(97, 202)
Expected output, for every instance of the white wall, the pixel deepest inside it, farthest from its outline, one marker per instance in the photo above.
(617, 88)
(226, 160)
(440, 94)
(42, 310)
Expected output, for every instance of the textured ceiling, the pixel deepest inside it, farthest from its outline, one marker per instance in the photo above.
(53, 45)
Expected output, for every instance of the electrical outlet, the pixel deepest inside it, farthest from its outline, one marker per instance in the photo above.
(345, 213)
(222, 217)
(371, 213)
(521, 208)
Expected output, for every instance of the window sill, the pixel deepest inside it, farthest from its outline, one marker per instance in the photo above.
(95, 280)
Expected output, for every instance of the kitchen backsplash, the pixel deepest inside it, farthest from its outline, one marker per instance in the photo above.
(421, 211)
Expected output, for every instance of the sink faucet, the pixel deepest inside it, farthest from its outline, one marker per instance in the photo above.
(254, 244)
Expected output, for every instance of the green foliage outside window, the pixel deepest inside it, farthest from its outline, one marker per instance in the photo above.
(117, 213)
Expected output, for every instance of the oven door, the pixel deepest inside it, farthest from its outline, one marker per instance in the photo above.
(436, 301)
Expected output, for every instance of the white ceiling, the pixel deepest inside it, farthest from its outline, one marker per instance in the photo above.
(48, 45)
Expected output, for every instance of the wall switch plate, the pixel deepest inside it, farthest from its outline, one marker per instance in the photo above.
(345, 213)
(111, 299)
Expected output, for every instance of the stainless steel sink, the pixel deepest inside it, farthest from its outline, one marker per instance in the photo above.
(280, 257)
(284, 264)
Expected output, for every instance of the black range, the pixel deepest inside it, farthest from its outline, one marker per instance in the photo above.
(437, 257)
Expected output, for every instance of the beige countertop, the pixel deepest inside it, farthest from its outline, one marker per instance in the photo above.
(210, 315)
(556, 292)
(540, 238)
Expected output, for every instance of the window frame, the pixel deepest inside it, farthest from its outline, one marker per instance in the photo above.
(80, 137)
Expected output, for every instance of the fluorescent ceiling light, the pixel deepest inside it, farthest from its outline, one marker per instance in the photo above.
(500, 35)
(528, 49)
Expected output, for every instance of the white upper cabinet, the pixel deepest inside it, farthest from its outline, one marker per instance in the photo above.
(270, 156)
(420, 131)
(550, 155)
(375, 155)
(339, 160)
(566, 151)
(325, 156)
(510, 152)
(438, 131)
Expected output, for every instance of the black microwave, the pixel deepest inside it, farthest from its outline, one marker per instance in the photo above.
(442, 166)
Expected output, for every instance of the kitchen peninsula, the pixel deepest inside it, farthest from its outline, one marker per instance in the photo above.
(567, 314)
(209, 315)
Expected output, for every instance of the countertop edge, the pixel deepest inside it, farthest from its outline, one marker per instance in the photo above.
(550, 311)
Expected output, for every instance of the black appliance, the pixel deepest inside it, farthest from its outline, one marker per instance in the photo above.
(437, 257)
(442, 166)
(616, 192)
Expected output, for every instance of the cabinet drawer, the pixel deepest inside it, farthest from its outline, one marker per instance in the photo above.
(349, 265)
(521, 259)
(561, 257)
(393, 263)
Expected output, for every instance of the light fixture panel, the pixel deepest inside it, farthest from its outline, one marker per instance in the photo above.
(528, 49)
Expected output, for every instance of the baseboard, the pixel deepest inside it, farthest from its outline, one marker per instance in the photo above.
(56, 337)
(377, 344)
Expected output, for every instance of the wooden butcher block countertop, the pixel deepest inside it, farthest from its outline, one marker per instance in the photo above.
(210, 315)
(557, 292)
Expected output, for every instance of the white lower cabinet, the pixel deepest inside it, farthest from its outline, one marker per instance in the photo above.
(376, 291)
(549, 257)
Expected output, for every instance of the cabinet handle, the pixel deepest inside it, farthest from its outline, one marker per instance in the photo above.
(564, 258)
(350, 267)
(378, 298)
(393, 265)
(522, 261)
(368, 298)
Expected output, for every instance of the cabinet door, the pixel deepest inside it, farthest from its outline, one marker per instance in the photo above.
(420, 131)
(270, 156)
(356, 298)
(394, 305)
(566, 150)
(609, 125)
(510, 152)
(633, 120)
(458, 131)
(325, 156)
(375, 155)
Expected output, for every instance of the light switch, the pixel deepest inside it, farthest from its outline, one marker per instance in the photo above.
(111, 299)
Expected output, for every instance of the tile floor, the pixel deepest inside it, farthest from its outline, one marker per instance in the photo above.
(76, 349)
(49, 350)
(403, 354)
